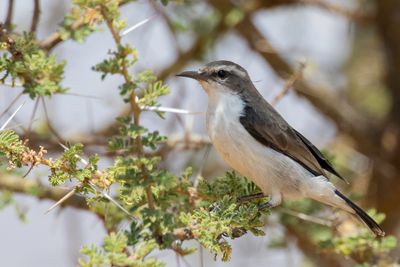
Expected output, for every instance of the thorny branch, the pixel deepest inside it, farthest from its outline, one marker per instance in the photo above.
(289, 84)
(36, 15)
(10, 10)
(360, 17)
(135, 109)
(55, 38)
(40, 191)
(352, 15)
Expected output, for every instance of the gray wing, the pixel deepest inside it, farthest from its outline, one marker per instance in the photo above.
(323, 162)
(271, 130)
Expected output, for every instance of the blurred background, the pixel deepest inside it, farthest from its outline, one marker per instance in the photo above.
(345, 53)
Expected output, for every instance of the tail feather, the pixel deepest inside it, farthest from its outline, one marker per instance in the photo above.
(375, 228)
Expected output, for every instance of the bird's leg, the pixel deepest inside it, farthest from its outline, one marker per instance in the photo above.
(274, 200)
(246, 198)
(265, 205)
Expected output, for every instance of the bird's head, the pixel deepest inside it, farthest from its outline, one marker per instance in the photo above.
(223, 76)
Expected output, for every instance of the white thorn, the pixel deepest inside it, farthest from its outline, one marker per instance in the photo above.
(172, 110)
(64, 198)
(77, 156)
(11, 117)
(107, 196)
(137, 25)
(103, 194)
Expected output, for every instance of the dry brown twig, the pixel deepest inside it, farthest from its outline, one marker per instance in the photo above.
(357, 16)
(161, 11)
(10, 105)
(55, 38)
(350, 14)
(290, 83)
(10, 10)
(32, 187)
(35, 16)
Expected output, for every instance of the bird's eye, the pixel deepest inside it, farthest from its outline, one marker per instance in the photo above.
(222, 74)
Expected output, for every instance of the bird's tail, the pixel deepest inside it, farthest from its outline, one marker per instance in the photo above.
(362, 215)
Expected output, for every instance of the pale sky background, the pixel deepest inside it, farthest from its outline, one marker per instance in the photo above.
(301, 34)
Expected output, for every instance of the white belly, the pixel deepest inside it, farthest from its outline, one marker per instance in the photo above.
(273, 172)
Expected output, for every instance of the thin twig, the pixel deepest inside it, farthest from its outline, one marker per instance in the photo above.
(98, 190)
(201, 255)
(185, 261)
(85, 96)
(306, 217)
(29, 170)
(35, 16)
(33, 116)
(161, 12)
(55, 38)
(178, 262)
(11, 104)
(289, 84)
(135, 109)
(34, 188)
(20, 125)
(49, 124)
(10, 10)
(339, 10)
(202, 165)
(107, 196)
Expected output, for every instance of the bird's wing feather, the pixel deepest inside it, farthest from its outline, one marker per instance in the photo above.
(324, 162)
(270, 129)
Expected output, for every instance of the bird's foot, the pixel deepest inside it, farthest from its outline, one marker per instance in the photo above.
(265, 205)
(250, 197)
(213, 207)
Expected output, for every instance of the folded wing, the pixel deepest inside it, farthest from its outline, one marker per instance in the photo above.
(270, 129)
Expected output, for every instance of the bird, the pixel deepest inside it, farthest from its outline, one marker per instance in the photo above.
(256, 141)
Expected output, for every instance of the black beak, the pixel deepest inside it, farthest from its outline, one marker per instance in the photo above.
(193, 75)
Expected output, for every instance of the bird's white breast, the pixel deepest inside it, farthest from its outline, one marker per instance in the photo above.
(272, 171)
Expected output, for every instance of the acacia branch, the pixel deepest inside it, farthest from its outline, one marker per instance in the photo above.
(161, 11)
(289, 84)
(135, 109)
(10, 10)
(55, 38)
(36, 15)
(34, 188)
(311, 250)
(357, 16)
(194, 52)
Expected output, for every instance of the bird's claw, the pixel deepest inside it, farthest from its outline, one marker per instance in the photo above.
(264, 206)
(214, 206)
(246, 198)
